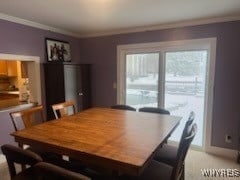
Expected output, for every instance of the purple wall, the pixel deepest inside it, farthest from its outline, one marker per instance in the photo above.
(24, 40)
(101, 52)
(29, 41)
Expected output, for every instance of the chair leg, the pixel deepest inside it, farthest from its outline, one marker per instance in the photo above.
(238, 158)
(23, 167)
(183, 172)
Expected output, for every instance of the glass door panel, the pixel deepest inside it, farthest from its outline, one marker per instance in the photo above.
(142, 79)
(185, 81)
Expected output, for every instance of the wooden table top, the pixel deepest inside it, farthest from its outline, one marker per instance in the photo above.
(117, 139)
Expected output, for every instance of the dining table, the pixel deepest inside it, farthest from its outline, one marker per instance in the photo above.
(118, 140)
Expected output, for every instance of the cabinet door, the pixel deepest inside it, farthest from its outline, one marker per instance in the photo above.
(86, 86)
(72, 81)
(3, 68)
(54, 86)
(76, 79)
(12, 68)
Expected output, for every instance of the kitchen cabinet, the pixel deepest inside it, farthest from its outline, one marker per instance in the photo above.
(12, 68)
(3, 68)
(67, 82)
(8, 68)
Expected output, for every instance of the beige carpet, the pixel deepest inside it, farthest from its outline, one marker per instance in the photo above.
(195, 161)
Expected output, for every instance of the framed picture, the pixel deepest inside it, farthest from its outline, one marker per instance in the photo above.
(57, 50)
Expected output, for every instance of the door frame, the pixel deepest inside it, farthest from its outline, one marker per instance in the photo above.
(162, 47)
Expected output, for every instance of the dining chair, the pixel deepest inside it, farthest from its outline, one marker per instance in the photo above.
(16, 155)
(63, 109)
(123, 107)
(154, 110)
(157, 170)
(168, 153)
(27, 118)
(48, 171)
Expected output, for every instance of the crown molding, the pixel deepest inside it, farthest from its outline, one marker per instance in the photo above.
(164, 26)
(120, 31)
(36, 25)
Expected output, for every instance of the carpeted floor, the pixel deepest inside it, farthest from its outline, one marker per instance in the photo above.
(195, 161)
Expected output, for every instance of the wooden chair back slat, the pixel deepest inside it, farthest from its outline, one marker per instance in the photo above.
(62, 109)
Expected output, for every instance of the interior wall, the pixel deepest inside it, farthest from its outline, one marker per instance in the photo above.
(17, 39)
(101, 52)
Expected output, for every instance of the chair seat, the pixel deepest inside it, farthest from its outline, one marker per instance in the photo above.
(154, 171)
(27, 174)
(166, 154)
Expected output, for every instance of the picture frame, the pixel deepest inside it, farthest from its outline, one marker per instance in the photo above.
(57, 51)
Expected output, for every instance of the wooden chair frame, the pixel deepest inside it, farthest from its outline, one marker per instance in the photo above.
(61, 109)
(26, 116)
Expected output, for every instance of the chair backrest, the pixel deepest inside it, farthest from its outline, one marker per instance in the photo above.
(154, 110)
(123, 107)
(182, 152)
(47, 171)
(188, 125)
(20, 156)
(63, 109)
(27, 118)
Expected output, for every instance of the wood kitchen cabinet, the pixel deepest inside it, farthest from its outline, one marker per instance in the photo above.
(12, 68)
(8, 68)
(3, 68)
(67, 82)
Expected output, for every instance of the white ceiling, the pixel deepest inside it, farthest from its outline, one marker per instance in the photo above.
(96, 17)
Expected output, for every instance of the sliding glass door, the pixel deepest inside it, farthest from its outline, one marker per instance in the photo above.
(177, 76)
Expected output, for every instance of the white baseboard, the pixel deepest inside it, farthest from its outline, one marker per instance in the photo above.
(228, 153)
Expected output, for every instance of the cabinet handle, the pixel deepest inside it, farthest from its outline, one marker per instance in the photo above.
(80, 94)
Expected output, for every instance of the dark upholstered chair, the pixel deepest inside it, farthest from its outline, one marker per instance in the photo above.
(157, 170)
(123, 107)
(47, 171)
(20, 156)
(168, 153)
(63, 109)
(154, 110)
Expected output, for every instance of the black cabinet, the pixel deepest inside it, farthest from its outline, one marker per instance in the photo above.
(67, 82)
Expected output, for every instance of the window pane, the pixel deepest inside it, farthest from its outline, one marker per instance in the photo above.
(185, 88)
(142, 79)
